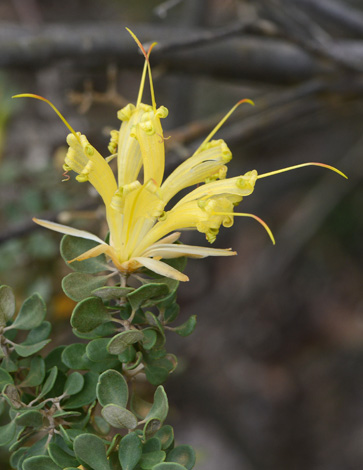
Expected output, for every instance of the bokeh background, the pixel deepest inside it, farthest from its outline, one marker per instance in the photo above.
(271, 379)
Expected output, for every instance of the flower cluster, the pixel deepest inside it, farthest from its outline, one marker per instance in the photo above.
(142, 231)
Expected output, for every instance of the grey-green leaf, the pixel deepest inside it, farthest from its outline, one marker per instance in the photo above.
(184, 455)
(110, 293)
(160, 406)
(36, 373)
(129, 451)
(165, 436)
(86, 396)
(119, 417)
(40, 462)
(188, 327)
(29, 350)
(91, 450)
(30, 418)
(71, 247)
(5, 378)
(89, 314)
(120, 342)
(146, 292)
(7, 304)
(74, 383)
(96, 350)
(61, 457)
(10, 392)
(50, 381)
(169, 466)
(31, 313)
(7, 433)
(79, 286)
(112, 389)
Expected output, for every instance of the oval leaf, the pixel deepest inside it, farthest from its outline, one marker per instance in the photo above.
(31, 418)
(7, 304)
(119, 417)
(74, 383)
(61, 457)
(89, 314)
(26, 351)
(39, 462)
(111, 293)
(91, 450)
(79, 286)
(184, 455)
(146, 292)
(188, 327)
(112, 389)
(120, 342)
(31, 313)
(129, 451)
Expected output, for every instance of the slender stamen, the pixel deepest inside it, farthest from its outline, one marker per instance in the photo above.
(220, 124)
(300, 166)
(37, 97)
(142, 84)
(147, 64)
(243, 214)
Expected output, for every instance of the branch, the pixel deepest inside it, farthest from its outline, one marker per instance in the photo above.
(247, 57)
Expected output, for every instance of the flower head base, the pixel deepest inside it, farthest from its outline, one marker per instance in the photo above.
(142, 233)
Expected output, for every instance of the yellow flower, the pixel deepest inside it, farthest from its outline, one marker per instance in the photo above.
(142, 233)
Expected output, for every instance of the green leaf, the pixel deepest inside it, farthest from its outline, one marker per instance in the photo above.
(151, 445)
(89, 314)
(5, 378)
(54, 358)
(38, 334)
(188, 327)
(184, 455)
(171, 312)
(71, 247)
(50, 381)
(101, 426)
(139, 406)
(96, 350)
(7, 305)
(133, 365)
(156, 374)
(152, 425)
(112, 388)
(146, 292)
(38, 448)
(79, 286)
(106, 329)
(150, 459)
(31, 313)
(129, 451)
(128, 355)
(91, 450)
(7, 433)
(74, 383)
(74, 356)
(119, 417)
(160, 406)
(10, 392)
(26, 351)
(86, 396)
(165, 436)
(40, 462)
(120, 342)
(168, 466)
(150, 338)
(30, 418)
(36, 373)
(112, 293)
(61, 457)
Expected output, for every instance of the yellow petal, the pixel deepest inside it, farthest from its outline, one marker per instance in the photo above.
(161, 268)
(196, 169)
(167, 251)
(68, 230)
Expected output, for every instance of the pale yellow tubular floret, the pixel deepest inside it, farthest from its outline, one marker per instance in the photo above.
(238, 186)
(98, 172)
(206, 164)
(149, 134)
(169, 250)
(148, 206)
(129, 159)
